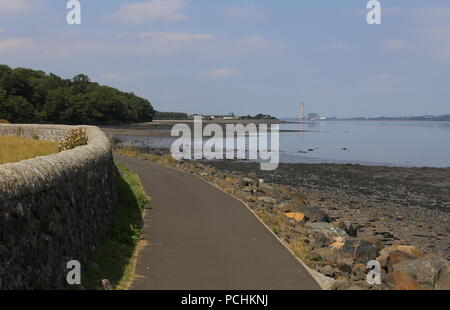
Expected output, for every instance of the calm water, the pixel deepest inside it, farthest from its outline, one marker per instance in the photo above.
(362, 142)
(369, 142)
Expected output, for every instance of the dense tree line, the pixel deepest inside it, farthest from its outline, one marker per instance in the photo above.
(170, 115)
(30, 96)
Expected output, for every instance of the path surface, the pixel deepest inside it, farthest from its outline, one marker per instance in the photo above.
(202, 238)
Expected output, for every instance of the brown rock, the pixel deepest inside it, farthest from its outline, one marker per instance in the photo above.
(360, 271)
(338, 242)
(106, 285)
(426, 269)
(375, 241)
(326, 255)
(298, 216)
(403, 281)
(397, 257)
(407, 249)
(443, 278)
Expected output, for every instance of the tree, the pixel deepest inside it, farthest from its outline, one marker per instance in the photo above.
(28, 95)
(17, 109)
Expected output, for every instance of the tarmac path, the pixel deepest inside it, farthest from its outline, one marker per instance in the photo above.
(201, 238)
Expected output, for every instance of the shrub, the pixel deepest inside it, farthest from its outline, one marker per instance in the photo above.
(75, 137)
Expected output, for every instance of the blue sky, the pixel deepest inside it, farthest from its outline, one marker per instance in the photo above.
(246, 57)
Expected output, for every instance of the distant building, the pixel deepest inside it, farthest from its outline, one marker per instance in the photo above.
(313, 117)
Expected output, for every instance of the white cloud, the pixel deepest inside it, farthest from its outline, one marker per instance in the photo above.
(13, 45)
(396, 45)
(221, 73)
(2, 30)
(244, 12)
(338, 46)
(155, 10)
(145, 43)
(8, 7)
(175, 37)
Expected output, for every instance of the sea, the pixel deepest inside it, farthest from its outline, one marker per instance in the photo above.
(385, 143)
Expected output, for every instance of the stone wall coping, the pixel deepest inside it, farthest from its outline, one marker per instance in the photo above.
(42, 173)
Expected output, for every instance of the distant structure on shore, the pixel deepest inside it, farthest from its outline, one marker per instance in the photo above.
(310, 116)
(302, 111)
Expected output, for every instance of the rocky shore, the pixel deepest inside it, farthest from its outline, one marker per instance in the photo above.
(337, 218)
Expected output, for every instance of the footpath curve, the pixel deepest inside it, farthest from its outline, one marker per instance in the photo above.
(201, 238)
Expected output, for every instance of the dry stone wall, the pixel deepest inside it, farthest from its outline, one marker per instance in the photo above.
(53, 209)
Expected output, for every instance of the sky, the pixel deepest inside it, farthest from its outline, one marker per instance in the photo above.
(244, 56)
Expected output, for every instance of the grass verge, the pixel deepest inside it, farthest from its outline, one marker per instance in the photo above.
(14, 149)
(115, 256)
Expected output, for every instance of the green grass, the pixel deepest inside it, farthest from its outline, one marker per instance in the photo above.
(115, 256)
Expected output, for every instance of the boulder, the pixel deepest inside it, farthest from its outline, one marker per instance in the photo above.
(327, 229)
(247, 182)
(443, 278)
(342, 284)
(267, 200)
(314, 214)
(403, 281)
(321, 235)
(347, 226)
(407, 249)
(298, 216)
(318, 239)
(397, 257)
(426, 270)
(328, 271)
(359, 250)
(327, 255)
(272, 191)
(106, 285)
(375, 241)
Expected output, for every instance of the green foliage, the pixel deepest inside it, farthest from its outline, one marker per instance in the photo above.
(75, 137)
(170, 115)
(114, 256)
(32, 96)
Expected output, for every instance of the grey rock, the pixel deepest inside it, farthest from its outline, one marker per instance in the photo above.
(247, 181)
(359, 250)
(267, 200)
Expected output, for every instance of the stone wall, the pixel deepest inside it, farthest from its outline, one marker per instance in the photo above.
(53, 208)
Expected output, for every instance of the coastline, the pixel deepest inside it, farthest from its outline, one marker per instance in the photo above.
(332, 230)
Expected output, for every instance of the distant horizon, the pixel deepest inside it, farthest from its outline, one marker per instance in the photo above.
(244, 56)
